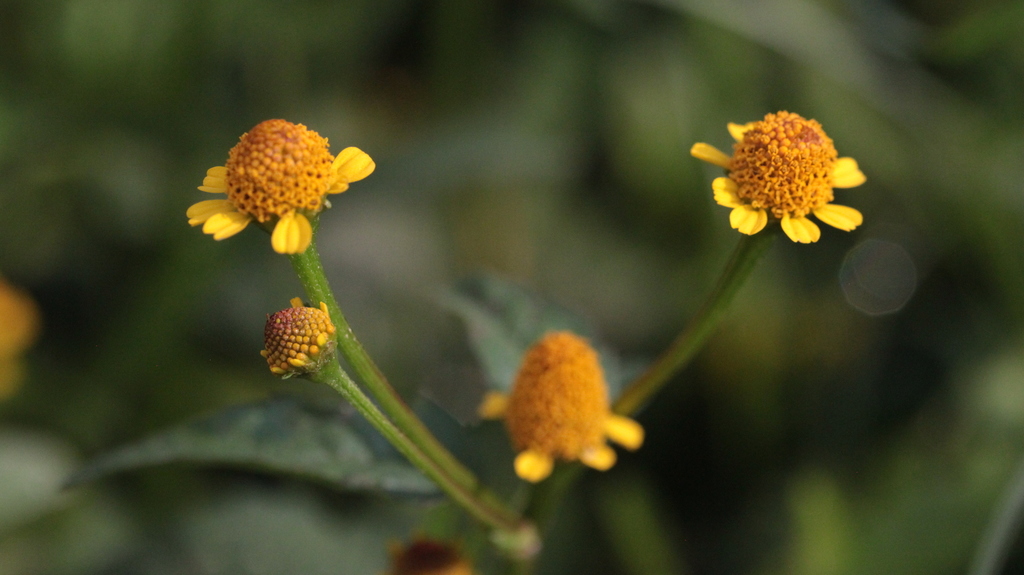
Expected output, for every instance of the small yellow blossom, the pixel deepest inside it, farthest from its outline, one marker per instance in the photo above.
(428, 557)
(783, 168)
(19, 328)
(558, 409)
(298, 339)
(278, 174)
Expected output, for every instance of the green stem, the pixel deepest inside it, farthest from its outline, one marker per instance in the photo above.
(546, 496)
(485, 509)
(540, 509)
(311, 273)
(689, 342)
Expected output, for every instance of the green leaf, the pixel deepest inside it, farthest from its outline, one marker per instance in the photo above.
(285, 435)
(503, 319)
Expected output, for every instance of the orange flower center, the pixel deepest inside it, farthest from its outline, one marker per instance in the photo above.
(277, 168)
(559, 401)
(784, 165)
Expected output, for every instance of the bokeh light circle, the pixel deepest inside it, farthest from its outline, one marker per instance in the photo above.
(878, 277)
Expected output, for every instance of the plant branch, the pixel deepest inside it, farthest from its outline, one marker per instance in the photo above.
(311, 273)
(397, 422)
(689, 342)
(485, 509)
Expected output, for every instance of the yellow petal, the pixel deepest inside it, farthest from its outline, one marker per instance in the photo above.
(225, 225)
(846, 174)
(737, 130)
(352, 165)
(296, 302)
(215, 181)
(842, 217)
(801, 230)
(624, 431)
(748, 220)
(493, 406)
(337, 188)
(214, 185)
(533, 466)
(725, 193)
(710, 154)
(200, 212)
(601, 457)
(292, 234)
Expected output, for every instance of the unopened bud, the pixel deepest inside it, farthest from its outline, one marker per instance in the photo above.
(298, 339)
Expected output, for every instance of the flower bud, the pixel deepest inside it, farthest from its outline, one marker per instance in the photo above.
(298, 339)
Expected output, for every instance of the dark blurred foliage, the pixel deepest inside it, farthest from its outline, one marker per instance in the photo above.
(861, 411)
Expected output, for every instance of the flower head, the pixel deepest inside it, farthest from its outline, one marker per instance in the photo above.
(783, 168)
(298, 339)
(428, 557)
(558, 409)
(19, 328)
(278, 174)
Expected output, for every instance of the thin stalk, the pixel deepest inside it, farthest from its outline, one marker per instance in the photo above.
(541, 507)
(546, 495)
(311, 273)
(485, 509)
(689, 342)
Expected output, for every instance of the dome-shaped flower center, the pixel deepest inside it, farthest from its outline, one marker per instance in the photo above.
(278, 168)
(559, 401)
(784, 165)
(298, 339)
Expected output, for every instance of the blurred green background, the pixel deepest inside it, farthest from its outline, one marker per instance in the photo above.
(862, 411)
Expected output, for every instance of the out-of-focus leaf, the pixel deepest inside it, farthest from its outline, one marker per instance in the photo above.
(270, 532)
(281, 435)
(503, 319)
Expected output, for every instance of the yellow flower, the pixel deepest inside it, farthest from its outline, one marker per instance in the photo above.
(558, 409)
(783, 168)
(19, 328)
(298, 339)
(279, 173)
(428, 557)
